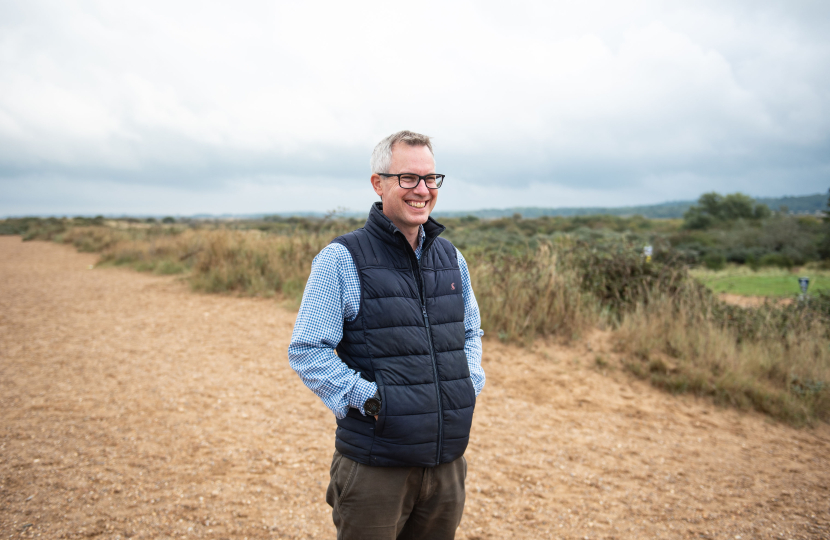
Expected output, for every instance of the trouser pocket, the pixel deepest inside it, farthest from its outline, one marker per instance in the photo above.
(341, 474)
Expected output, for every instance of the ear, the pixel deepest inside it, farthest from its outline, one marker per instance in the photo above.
(377, 185)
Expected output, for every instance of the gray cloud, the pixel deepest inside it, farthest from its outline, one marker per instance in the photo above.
(604, 102)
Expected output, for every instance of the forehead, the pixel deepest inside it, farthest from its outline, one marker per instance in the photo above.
(407, 158)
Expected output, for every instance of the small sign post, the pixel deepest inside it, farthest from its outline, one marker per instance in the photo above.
(803, 282)
(647, 251)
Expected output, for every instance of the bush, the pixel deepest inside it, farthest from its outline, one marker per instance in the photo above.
(789, 237)
(675, 332)
(713, 209)
(255, 264)
(776, 259)
(715, 261)
(533, 293)
(774, 359)
(744, 255)
(620, 278)
(16, 226)
(45, 229)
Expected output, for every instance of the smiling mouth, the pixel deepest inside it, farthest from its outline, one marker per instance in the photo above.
(417, 204)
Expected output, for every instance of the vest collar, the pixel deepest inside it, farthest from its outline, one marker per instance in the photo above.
(379, 225)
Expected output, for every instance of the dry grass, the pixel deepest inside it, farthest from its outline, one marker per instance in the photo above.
(215, 260)
(681, 348)
(775, 359)
(255, 263)
(531, 294)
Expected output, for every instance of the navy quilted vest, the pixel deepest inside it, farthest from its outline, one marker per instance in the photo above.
(408, 337)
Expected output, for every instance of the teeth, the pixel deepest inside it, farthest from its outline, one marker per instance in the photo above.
(417, 204)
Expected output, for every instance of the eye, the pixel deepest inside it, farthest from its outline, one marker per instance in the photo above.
(409, 180)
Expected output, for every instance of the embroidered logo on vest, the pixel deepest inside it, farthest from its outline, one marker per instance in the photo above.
(453, 286)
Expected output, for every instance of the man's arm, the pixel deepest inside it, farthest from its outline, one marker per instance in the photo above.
(472, 327)
(332, 295)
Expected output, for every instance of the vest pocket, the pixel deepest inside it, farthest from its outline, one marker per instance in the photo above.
(380, 423)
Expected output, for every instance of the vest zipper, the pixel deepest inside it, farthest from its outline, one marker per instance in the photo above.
(434, 363)
(437, 388)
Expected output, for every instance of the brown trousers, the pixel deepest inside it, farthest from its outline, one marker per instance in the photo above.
(388, 503)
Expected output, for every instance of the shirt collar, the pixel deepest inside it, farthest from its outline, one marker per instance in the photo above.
(421, 236)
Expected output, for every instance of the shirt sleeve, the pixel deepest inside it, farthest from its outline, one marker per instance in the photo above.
(472, 327)
(332, 295)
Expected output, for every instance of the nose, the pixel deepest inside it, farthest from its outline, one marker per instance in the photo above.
(421, 188)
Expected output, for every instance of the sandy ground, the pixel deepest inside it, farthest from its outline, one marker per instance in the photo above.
(133, 408)
(751, 301)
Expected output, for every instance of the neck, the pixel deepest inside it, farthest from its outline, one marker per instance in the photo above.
(410, 233)
(412, 236)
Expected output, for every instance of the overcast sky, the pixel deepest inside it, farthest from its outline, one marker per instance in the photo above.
(188, 107)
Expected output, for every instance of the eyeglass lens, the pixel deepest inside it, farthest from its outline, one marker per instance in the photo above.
(411, 180)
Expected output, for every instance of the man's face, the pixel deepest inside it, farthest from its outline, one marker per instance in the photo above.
(407, 208)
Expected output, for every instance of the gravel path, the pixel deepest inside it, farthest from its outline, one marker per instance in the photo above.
(133, 408)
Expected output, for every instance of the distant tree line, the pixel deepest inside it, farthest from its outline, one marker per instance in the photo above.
(714, 209)
(734, 228)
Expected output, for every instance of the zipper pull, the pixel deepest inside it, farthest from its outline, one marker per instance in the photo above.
(424, 311)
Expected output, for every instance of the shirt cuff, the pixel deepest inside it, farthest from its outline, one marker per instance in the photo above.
(361, 391)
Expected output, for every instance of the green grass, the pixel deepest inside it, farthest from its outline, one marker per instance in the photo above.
(766, 282)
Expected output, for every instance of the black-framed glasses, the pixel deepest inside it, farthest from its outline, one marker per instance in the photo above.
(411, 180)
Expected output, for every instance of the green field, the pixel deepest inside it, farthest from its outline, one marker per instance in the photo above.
(767, 282)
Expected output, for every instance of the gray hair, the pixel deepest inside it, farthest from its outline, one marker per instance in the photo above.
(381, 158)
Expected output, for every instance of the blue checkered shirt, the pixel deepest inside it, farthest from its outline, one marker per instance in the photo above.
(332, 295)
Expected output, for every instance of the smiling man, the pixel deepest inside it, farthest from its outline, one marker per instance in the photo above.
(388, 336)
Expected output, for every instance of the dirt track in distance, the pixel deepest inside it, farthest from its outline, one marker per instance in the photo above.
(133, 408)
(751, 301)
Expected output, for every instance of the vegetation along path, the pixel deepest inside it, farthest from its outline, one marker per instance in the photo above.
(132, 407)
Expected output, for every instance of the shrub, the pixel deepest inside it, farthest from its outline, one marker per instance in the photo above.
(715, 261)
(773, 359)
(530, 293)
(713, 208)
(787, 236)
(44, 229)
(14, 226)
(776, 259)
(253, 263)
(620, 278)
(744, 255)
(674, 331)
